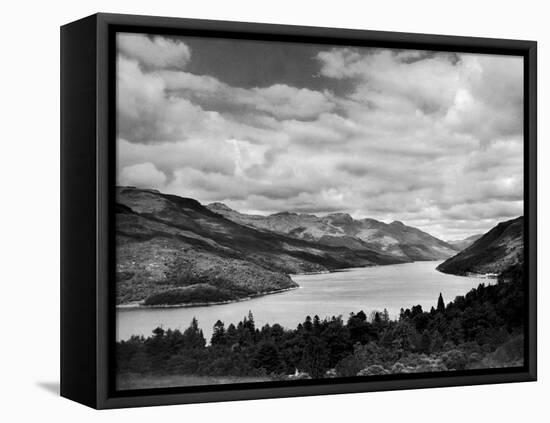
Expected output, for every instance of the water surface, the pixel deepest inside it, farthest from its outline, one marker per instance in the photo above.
(331, 294)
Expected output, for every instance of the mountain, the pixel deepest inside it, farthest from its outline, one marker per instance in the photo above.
(494, 253)
(462, 244)
(173, 250)
(340, 229)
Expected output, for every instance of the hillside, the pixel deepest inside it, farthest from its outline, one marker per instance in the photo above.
(498, 250)
(340, 229)
(173, 250)
(462, 244)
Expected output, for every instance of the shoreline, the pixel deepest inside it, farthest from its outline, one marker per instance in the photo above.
(320, 272)
(139, 305)
(348, 269)
(490, 276)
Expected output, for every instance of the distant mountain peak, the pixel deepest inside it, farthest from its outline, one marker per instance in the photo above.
(284, 213)
(397, 223)
(219, 206)
(340, 229)
(339, 217)
(345, 215)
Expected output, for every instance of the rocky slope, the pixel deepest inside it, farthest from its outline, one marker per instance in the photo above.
(340, 229)
(173, 250)
(496, 252)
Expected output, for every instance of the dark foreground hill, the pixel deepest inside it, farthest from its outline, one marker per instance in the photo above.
(495, 252)
(340, 229)
(172, 250)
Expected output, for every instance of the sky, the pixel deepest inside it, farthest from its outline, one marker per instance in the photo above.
(432, 139)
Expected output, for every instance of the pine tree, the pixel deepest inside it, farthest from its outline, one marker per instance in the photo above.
(440, 303)
(193, 336)
(316, 324)
(218, 334)
(158, 332)
(267, 357)
(308, 326)
(231, 334)
(248, 323)
(361, 316)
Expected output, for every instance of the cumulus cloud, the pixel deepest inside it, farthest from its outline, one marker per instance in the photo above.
(156, 52)
(141, 175)
(170, 156)
(478, 95)
(279, 100)
(147, 114)
(432, 139)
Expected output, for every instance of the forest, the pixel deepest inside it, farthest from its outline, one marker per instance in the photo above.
(482, 329)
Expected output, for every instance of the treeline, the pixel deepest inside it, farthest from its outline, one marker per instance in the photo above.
(482, 329)
(198, 293)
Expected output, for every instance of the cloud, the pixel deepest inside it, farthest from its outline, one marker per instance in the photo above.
(156, 52)
(146, 114)
(286, 102)
(173, 106)
(141, 175)
(387, 78)
(170, 156)
(477, 95)
(490, 102)
(431, 139)
(278, 100)
(497, 210)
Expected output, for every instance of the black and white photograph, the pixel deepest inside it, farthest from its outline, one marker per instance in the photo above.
(292, 211)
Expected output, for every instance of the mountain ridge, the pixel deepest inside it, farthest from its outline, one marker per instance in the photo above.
(495, 252)
(395, 238)
(462, 244)
(176, 247)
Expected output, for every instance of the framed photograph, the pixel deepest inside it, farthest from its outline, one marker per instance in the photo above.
(255, 211)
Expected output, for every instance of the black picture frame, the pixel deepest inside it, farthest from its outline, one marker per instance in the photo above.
(87, 199)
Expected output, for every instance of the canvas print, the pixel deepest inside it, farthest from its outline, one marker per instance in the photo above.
(289, 211)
